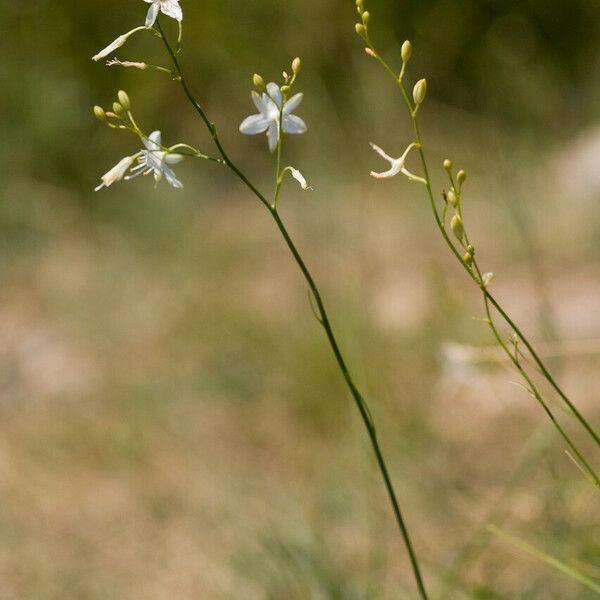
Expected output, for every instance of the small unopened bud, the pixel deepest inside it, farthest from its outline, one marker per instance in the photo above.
(118, 109)
(258, 81)
(452, 198)
(370, 52)
(285, 89)
(366, 17)
(448, 164)
(457, 227)
(360, 29)
(468, 259)
(419, 91)
(471, 249)
(359, 6)
(100, 114)
(296, 65)
(124, 100)
(461, 176)
(486, 279)
(406, 51)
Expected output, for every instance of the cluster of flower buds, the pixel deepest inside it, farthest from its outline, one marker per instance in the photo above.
(120, 116)
(365, 17)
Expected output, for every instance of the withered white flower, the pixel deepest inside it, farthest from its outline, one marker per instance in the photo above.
(170, 8)
(397, 165)
(299, 178)
(117, 172)
(269, 105)
(151, 159)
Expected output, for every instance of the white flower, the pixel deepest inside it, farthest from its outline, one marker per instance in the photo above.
(170, 8)
(397, 165)
(151, 159)
(111, 47)
(269, 106)
(299, 178)
(117, 172)
(155, 160)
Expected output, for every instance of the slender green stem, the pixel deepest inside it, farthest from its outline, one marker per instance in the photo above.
(359, 400)
(476, 277)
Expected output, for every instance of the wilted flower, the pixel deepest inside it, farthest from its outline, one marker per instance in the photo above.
(397, 165)
(269, 105)
(117, 172)
(170, 8)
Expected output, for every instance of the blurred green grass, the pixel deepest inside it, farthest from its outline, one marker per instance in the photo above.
(172, 422)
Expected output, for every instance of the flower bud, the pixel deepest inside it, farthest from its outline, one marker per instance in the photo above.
(461, 176)
(457, 227)
(99, 112)
(468, 259)
(419, 91)
(406, 51)
(366, 17)
(296, 65)
(360, 29)
(448, 164)
(258, 81)
(124, 100)
(359, 6)
(471, 249)
(452, 198)
(118, 109)
(370, 52)
(285, 89)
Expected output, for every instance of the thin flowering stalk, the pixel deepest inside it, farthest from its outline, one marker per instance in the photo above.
(321, 311)
(468, 261)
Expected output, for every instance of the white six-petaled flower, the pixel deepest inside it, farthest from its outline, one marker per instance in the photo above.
(170, 8)
(397, 165)
(151, 159)
(270, 107)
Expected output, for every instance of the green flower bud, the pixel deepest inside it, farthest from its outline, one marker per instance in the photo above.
(452, 198)
(258, 81)
(359, 6)
(118, 109)
(419, 91)
(360, 29)
(124, 100)
(468, 258)
(285, 89)
(448, 164)
(461, 176)
(296, 65)
(471, 249)
(99, 112)
(457, 227)
(366, 17)
(406, 51)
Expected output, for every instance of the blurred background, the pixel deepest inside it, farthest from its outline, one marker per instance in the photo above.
(172, 423)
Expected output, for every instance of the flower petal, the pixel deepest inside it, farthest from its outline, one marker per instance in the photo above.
(259, 102)
(152, 14)
(254, 124)
(172, 9)
(275, 93)
(273, 135)
(153, 142)
(172, 178)
(293, 124)
(292, 104)
(173, 159)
